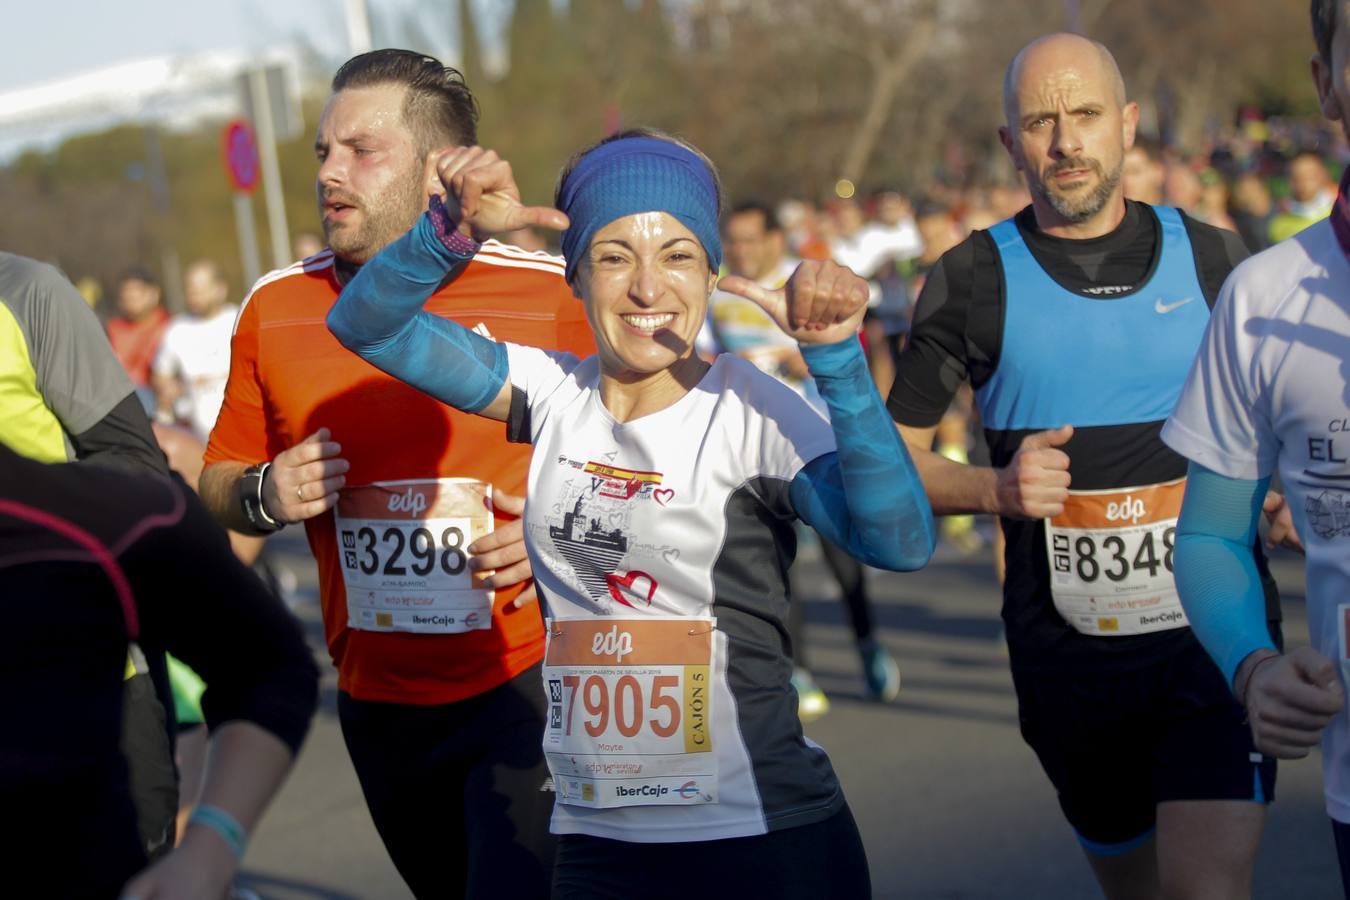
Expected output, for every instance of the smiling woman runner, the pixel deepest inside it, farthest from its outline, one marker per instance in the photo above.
(661, 495)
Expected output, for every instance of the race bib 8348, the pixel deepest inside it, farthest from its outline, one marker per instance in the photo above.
(1111, 559)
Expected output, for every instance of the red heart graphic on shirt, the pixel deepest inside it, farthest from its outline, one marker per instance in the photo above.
(618, 582)
(663, 495)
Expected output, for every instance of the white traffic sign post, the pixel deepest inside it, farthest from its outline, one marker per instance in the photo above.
(243, 167)
(266, 145)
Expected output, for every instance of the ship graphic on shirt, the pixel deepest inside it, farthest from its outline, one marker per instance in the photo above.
(592, 550)
(594, 533)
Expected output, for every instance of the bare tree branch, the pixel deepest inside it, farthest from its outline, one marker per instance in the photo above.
(881, 98)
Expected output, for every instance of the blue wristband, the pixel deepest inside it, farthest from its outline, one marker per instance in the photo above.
(226, 826)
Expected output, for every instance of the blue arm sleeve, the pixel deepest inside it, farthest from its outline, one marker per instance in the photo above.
(1215, 569)
(379, 316)
(867, 496)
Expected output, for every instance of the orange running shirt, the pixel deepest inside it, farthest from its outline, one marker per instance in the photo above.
(289, 377)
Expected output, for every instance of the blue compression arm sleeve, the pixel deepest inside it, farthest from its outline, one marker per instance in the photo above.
(379, 316)
(866, 497)
(1215, 569)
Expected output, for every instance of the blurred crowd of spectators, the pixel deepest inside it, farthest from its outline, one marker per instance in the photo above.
(1265, 178)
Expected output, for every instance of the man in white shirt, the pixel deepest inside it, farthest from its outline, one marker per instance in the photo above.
(1269, 392)
(865, 246)
(193, 362)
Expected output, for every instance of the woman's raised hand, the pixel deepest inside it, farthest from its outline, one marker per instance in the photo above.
(822, 303)
(481, 194)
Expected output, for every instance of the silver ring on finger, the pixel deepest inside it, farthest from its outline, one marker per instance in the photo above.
(300, 493)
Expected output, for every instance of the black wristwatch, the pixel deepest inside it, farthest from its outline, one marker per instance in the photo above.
(250, 497)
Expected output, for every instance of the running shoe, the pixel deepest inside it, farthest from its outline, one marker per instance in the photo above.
(880, 671)
(811, 700)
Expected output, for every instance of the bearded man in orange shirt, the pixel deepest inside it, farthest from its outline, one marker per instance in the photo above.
(423, 583)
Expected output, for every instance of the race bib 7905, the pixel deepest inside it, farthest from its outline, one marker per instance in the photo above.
(630, 711)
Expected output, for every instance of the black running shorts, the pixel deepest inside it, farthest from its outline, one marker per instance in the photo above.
(1117, 744)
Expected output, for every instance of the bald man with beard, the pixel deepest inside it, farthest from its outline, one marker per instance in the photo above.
(1075, 322)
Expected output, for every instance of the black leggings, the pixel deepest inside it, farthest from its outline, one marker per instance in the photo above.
(848, 572)
(822, 861)
(455, 789)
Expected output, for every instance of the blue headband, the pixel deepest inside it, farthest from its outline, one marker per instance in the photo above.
(637, 175)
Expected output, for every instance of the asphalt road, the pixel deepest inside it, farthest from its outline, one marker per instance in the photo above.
(950, 802)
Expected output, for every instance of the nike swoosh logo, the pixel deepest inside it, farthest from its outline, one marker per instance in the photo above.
(1163, 309)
